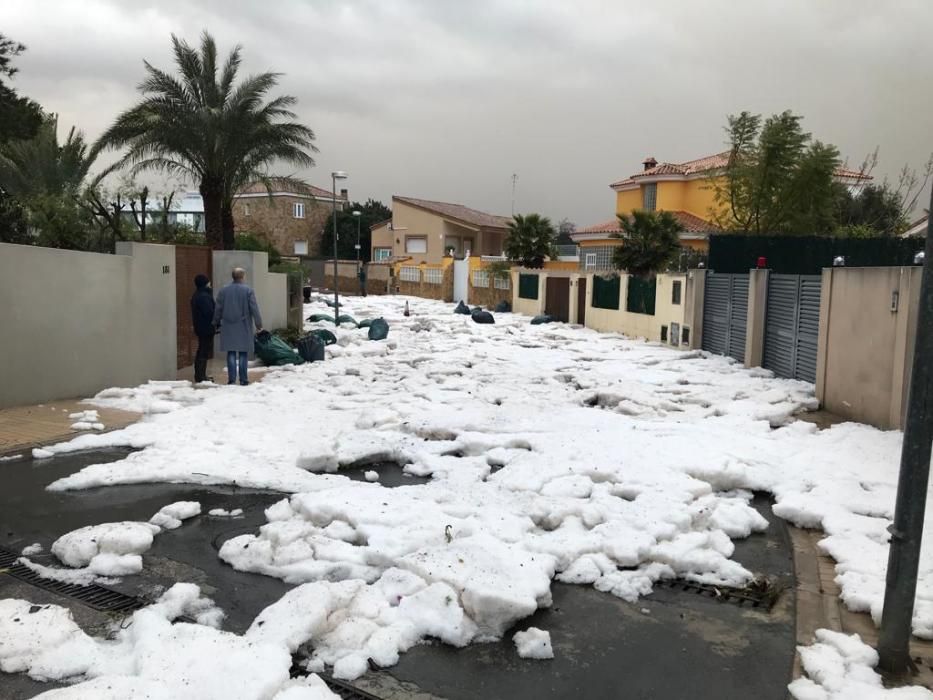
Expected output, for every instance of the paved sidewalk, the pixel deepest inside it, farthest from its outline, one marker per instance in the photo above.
(25, 427)
(819, 605)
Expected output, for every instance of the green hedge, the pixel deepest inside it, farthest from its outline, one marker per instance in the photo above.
(606, 291)
(807, 255)
(528, 286)
(641, 296)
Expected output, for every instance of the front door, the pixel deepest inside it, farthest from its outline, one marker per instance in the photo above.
(557, 298)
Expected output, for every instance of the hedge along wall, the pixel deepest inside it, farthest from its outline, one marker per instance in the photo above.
(807, 255)
(606, 292)
(527, 286)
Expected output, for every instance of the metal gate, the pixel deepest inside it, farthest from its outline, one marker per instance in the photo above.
(557, 298)
(792, 326)
(462, 281)
(581, 301)
(725, 313)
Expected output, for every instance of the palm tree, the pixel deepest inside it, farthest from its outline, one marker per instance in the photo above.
(203, 126)
(530, 240)
(42, 166)
(651, 242)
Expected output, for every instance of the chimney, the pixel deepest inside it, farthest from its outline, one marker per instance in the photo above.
(649, 162)
(343, 194)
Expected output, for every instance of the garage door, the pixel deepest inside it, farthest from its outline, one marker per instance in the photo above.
(792, 326)
(725, 313)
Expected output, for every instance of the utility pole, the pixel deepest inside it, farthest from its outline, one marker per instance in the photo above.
(514, 180)
(907, 529)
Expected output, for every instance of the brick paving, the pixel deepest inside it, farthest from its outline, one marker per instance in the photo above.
(25, 427)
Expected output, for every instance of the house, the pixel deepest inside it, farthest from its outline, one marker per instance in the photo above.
(187, 210)
(291, 217)
(426, 231)
(918, 227)
(687, 190)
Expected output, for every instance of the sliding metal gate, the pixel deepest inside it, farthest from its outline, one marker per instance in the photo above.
(725, 312)
(792, 326)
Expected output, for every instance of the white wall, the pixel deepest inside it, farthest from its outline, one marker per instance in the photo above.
(271, 287)
(75, 323)
(529, 307)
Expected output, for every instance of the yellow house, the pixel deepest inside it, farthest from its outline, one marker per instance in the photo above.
(686, 190)
(425, 231)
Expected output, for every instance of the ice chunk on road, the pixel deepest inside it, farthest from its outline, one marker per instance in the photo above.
(371, 475)
(107, 549)
(533, 643)
(169, 517)
(222, 513)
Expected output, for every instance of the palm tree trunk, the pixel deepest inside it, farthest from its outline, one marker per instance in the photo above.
(227, 225)
(212, 194)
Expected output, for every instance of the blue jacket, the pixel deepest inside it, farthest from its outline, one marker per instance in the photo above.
(202, 312)
(237, 313)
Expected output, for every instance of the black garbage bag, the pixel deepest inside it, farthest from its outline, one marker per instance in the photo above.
(378, 329)
(503, 307)
(476, 309)
(325, 335)
(364, 323)
(273, 351)
(480, 316)
(462, 309)
(311, 348)
(543, 318)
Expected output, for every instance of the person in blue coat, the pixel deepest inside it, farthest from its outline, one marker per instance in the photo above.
(202, 318)
(236, 313)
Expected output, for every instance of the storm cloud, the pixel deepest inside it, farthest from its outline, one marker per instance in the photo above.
(446, 100)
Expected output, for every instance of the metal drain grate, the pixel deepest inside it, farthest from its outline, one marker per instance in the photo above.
(93, 595)
(345, 690)
(761, 597)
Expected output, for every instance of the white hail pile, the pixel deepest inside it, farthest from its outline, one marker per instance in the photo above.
(553, 452)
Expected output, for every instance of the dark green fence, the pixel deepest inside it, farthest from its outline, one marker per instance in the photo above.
(606, 292)
(640, 296)
(807, 255)
(528, 286)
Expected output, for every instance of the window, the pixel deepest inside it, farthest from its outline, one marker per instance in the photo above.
(685, 336)
(298, 210)
(590, 261)
(503, 282)
(416, 244)
(675, 292)
(649, 196)
(528, 286)
(598, 258)
(433, 275)
(409, 274)
(380, 254)
(246, 210)
(301, 247)
(480, 278)
(663, 334)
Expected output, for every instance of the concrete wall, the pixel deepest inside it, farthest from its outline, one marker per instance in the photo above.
(866, 342)
(755, 318)
(641, 325)
(529, 307)
(271, 287)
(75, 323)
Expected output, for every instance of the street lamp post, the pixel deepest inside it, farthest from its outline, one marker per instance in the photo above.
(357, 214)
(336, 175)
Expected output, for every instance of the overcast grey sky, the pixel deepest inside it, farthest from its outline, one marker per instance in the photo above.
(446, 99)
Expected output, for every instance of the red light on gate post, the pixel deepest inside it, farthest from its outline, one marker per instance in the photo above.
(762, 262)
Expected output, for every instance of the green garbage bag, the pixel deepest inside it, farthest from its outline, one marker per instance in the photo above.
(273, 351)
(543, 318)
(378, 329)
(346, 318)
(317, 318)
(364, 323)
(325, 335)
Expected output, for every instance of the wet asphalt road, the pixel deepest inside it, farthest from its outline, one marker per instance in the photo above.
(671, 644)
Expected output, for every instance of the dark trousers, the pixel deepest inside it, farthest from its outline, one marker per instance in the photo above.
(205, 352)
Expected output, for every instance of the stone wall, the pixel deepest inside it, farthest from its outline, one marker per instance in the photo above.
(443, 291)
(271, 218)
(488, 297)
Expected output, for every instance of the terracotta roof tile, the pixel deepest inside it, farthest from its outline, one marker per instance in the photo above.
(690, 222)
(458, 211)
(286, 186)
(706, 164)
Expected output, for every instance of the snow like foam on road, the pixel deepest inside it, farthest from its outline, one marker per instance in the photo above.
(148, 656)
(554, 450)
(533, 643)
(841, 667)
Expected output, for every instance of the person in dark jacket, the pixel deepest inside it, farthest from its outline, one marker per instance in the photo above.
(202, 317)
(361, 276)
